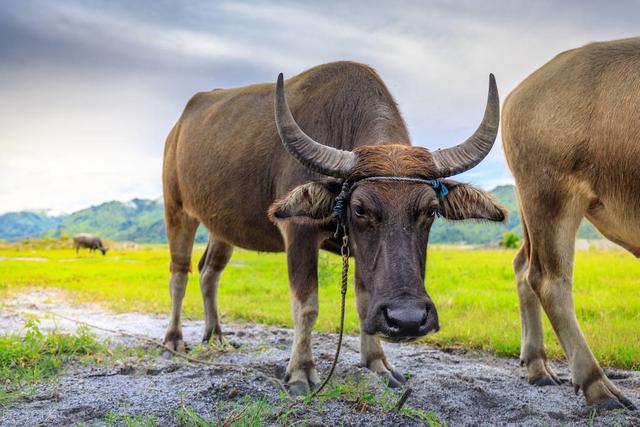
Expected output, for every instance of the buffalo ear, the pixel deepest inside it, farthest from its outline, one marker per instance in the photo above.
(465, 201)
(310, 203)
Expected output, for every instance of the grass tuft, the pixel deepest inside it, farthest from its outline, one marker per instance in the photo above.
(358, 393)
(364, 396)
(35, 356)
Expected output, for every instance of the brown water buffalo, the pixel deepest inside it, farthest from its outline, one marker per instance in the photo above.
(89, 241)
(263, 184)
(571, 135)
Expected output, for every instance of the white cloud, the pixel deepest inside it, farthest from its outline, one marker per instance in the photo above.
(131, 32)
(71, 144)
(87, 99)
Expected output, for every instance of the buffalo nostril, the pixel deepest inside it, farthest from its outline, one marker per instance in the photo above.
(423, 321)
(390, 321)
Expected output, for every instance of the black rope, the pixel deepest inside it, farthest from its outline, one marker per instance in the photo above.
(343, 290)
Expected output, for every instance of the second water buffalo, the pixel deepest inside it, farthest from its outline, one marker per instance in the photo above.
(571, 134)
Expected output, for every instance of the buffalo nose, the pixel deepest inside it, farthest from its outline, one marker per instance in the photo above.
(405, 317)
(410, 319)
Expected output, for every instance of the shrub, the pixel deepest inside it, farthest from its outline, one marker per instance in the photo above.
(510, 240)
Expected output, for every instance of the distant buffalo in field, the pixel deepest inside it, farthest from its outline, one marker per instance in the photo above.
(89, 241)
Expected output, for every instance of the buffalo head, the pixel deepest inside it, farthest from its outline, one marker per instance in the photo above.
(388, 221)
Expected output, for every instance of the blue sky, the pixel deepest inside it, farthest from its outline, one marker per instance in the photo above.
(89, 89)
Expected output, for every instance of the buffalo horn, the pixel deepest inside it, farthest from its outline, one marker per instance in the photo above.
(462, 157)
(311, 154)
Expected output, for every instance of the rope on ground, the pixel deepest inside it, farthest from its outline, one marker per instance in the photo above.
(261, 374)
(157, 343)
(403, 399)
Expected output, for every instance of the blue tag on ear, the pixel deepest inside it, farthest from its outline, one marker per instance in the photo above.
(443, 190)
(440, 188)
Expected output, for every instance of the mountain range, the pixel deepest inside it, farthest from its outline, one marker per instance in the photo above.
(142, 221)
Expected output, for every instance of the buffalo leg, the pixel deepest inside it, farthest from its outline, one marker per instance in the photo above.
(532, 354)
(371, 353)
(181, 231)
(550, 276)
(213, 262)
(302, 261)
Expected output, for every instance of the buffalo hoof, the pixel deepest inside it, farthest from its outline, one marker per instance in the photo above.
(174, 347)
(386, 371)
(546, 380)
(299, 388)
(393, 378)
(177, 346)
(605, 396)
(211, 332)
(541, 375)
(615, 403)
(302, 379)
(207, 339)
(173, 343)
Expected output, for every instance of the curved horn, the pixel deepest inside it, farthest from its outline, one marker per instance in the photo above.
(311, 154)
(462, 157)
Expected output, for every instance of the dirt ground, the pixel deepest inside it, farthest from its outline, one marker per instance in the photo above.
(469, 389)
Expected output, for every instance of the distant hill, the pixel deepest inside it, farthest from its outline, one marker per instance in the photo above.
(142, 221)
(21, 225)
(138, 220)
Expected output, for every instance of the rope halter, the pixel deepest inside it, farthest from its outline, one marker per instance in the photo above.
(340, 207)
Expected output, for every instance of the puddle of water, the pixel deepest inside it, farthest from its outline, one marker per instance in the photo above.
(45, 304)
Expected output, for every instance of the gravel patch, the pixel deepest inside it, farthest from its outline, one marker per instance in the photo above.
(463, 389)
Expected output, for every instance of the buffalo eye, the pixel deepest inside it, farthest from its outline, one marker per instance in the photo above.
(432, 211)
(359, 211)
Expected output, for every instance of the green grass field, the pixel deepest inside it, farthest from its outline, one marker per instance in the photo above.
(474, 291)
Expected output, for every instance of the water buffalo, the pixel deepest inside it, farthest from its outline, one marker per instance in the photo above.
(265, 185)
(84, 240)
(571, 134)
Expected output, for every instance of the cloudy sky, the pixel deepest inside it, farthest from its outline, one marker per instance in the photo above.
(89, 89)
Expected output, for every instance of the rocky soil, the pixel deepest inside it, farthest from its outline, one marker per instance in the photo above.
(462, 389)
